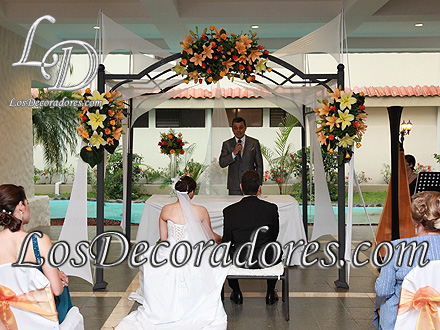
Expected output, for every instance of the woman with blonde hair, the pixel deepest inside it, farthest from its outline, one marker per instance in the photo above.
(425, 212)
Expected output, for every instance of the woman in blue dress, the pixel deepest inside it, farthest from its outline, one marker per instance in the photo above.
(425, 212)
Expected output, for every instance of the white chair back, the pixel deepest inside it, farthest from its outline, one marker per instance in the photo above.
(23, 280)
(419, 282)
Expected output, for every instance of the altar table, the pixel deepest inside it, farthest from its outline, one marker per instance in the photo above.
(291, 225)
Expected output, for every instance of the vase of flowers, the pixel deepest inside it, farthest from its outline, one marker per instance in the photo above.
(101, 124)
(171, 144)
(342, 123)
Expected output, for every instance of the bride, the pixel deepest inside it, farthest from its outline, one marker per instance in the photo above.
(186, 297)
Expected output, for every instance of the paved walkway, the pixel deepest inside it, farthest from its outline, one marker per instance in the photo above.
(315, 302)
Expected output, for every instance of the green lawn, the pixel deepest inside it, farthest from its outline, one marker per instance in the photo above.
(369, 198)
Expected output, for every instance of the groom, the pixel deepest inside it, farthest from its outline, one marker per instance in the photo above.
(241, 220)
(240, 153)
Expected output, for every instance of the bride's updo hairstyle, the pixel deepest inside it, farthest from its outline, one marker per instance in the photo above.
(10, 196)
(186, 184)
(425, 209)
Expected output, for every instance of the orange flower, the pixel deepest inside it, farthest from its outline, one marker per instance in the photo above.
(331, 121)
(108, 94)
(245, 40)
(197, 59)
(322, 138)
(255, 54)
(170, 136)
(88, 90)
(112, 122)
(85, 109)
(207, 51)
(227, 65)
(88, 148)
(222, 74)
(212, 27)
(80, 130)
(85, 135)
(110, 141)
(223, 36)
(194, 75)
(107, 131)
(209, 79)
(336, 94)
(117, 133)
(324, 108)
(172, 151)
(119, 116)
(242, 59)
(111, 113)
(115, 94)
(220, 49)
(241, 48)
(184, 61)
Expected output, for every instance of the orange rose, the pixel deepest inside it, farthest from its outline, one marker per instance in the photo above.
(110, 141)
(107, 131)
(112, 122)
(108, 94)
(184, 61)
(170, 136)
(88, 91)
(111, 113)
(223, 36)
(209, 79)
(172, 151)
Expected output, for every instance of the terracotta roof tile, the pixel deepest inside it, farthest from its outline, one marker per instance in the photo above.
(401, 91)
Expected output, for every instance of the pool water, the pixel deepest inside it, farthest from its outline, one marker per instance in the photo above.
(113, 211)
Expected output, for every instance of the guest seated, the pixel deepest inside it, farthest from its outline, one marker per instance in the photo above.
(241, 220)
(412, 176)
(14, 213)
(425, 212)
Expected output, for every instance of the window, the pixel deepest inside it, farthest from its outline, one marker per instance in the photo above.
(180, 118)
(253, 117)
(277, 115)
(142, 121)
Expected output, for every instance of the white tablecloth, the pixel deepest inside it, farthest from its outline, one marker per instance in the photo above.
(291, 226)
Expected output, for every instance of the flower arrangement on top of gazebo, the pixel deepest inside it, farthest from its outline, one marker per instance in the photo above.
(342, 121)
(100, 125)
(217, 53)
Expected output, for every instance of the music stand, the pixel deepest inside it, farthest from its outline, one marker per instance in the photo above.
(428, 181)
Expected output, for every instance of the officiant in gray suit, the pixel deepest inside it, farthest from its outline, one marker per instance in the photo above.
(240, 153)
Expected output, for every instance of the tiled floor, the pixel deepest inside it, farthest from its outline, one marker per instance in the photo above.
(315, 302)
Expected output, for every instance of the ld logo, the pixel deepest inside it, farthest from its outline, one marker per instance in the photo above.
(64, 65)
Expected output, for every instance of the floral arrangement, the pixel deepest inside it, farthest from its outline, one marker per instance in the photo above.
(100, 125)
(280, 176)
(217, 53)
(422, 168)
(342, 122)
(171, 143)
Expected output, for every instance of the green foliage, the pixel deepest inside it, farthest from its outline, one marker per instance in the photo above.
(279, 159)
(437, 157)
(386, 173)
(150, 174)
(55, 128)
(330, 162)
(113, 183)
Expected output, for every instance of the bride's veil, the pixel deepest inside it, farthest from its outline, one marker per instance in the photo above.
(197, 230)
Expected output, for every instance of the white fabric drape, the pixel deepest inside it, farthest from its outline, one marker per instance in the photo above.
(325, 220)
(74, 228)
(326, 39)
(116, 37)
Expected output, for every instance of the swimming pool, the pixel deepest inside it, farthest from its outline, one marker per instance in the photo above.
(113, 211)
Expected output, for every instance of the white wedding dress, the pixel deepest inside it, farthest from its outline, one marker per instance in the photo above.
(187, 297)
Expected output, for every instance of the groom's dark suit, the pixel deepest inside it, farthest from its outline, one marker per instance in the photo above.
(243, 218)
(250, 160)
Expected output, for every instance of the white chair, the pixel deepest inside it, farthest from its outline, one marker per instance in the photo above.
(420, 281)
(22, 280)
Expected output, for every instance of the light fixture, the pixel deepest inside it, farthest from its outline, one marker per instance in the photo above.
(418, 24)
(255, 26)
(96, 27)
(405, 129)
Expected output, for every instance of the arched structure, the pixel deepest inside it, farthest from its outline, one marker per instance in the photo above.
(295, 77)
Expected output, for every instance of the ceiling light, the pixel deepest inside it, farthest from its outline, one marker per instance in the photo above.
(96, 27)
(418, 24)
(255, 26)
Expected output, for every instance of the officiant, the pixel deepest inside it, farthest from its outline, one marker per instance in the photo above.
(241, 153)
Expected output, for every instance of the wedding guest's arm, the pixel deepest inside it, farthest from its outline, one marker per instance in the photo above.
(163, 229)
(259, 161)
(226, 157)
(52, 274)
(385, 283)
